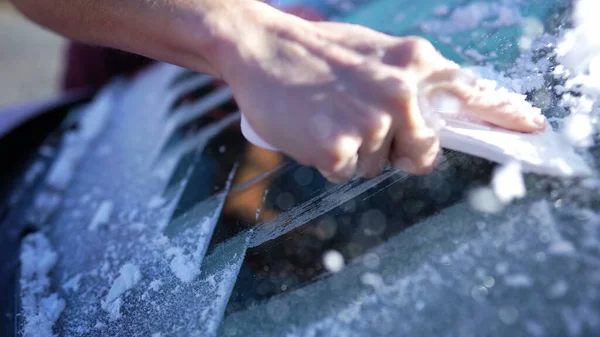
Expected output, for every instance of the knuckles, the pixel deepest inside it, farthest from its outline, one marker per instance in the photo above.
(413, 52)
(418, 49)
(375, 127)
(332, 153)
(398, 90)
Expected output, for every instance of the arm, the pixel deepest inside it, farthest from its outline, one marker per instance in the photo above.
(189, 33)
(339, 97)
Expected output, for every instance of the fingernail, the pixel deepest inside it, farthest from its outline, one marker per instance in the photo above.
(539, 121)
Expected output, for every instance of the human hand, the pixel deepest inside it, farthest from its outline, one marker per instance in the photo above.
(344, 98)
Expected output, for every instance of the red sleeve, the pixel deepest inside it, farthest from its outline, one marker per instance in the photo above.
(91, 66)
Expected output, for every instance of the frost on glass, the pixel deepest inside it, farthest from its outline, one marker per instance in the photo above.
(41, 307)
(127, 262)
(159, 240)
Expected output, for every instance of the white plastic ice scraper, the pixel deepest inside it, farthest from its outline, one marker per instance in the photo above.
(545, 152)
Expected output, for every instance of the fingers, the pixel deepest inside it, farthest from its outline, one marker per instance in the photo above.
(366, 161)
(374, 152)
(479, 99)
(404, 139)
(337, 159)
(345, 173)
(415, 151)
(501, 111)
(370, 129)
(507, 116)
(417, 155)
(415, 145)
(375, 118)
(374, 126)
(371, 163)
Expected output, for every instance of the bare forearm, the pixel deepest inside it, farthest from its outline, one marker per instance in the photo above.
(339, 97)
(189, 33)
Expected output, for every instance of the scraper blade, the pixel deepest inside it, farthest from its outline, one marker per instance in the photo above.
(545, 152)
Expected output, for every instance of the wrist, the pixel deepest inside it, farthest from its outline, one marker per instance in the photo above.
(243, 34)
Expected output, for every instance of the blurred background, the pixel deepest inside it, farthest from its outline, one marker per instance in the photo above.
(30, 58)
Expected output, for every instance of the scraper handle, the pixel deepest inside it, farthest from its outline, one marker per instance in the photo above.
(253, 137)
